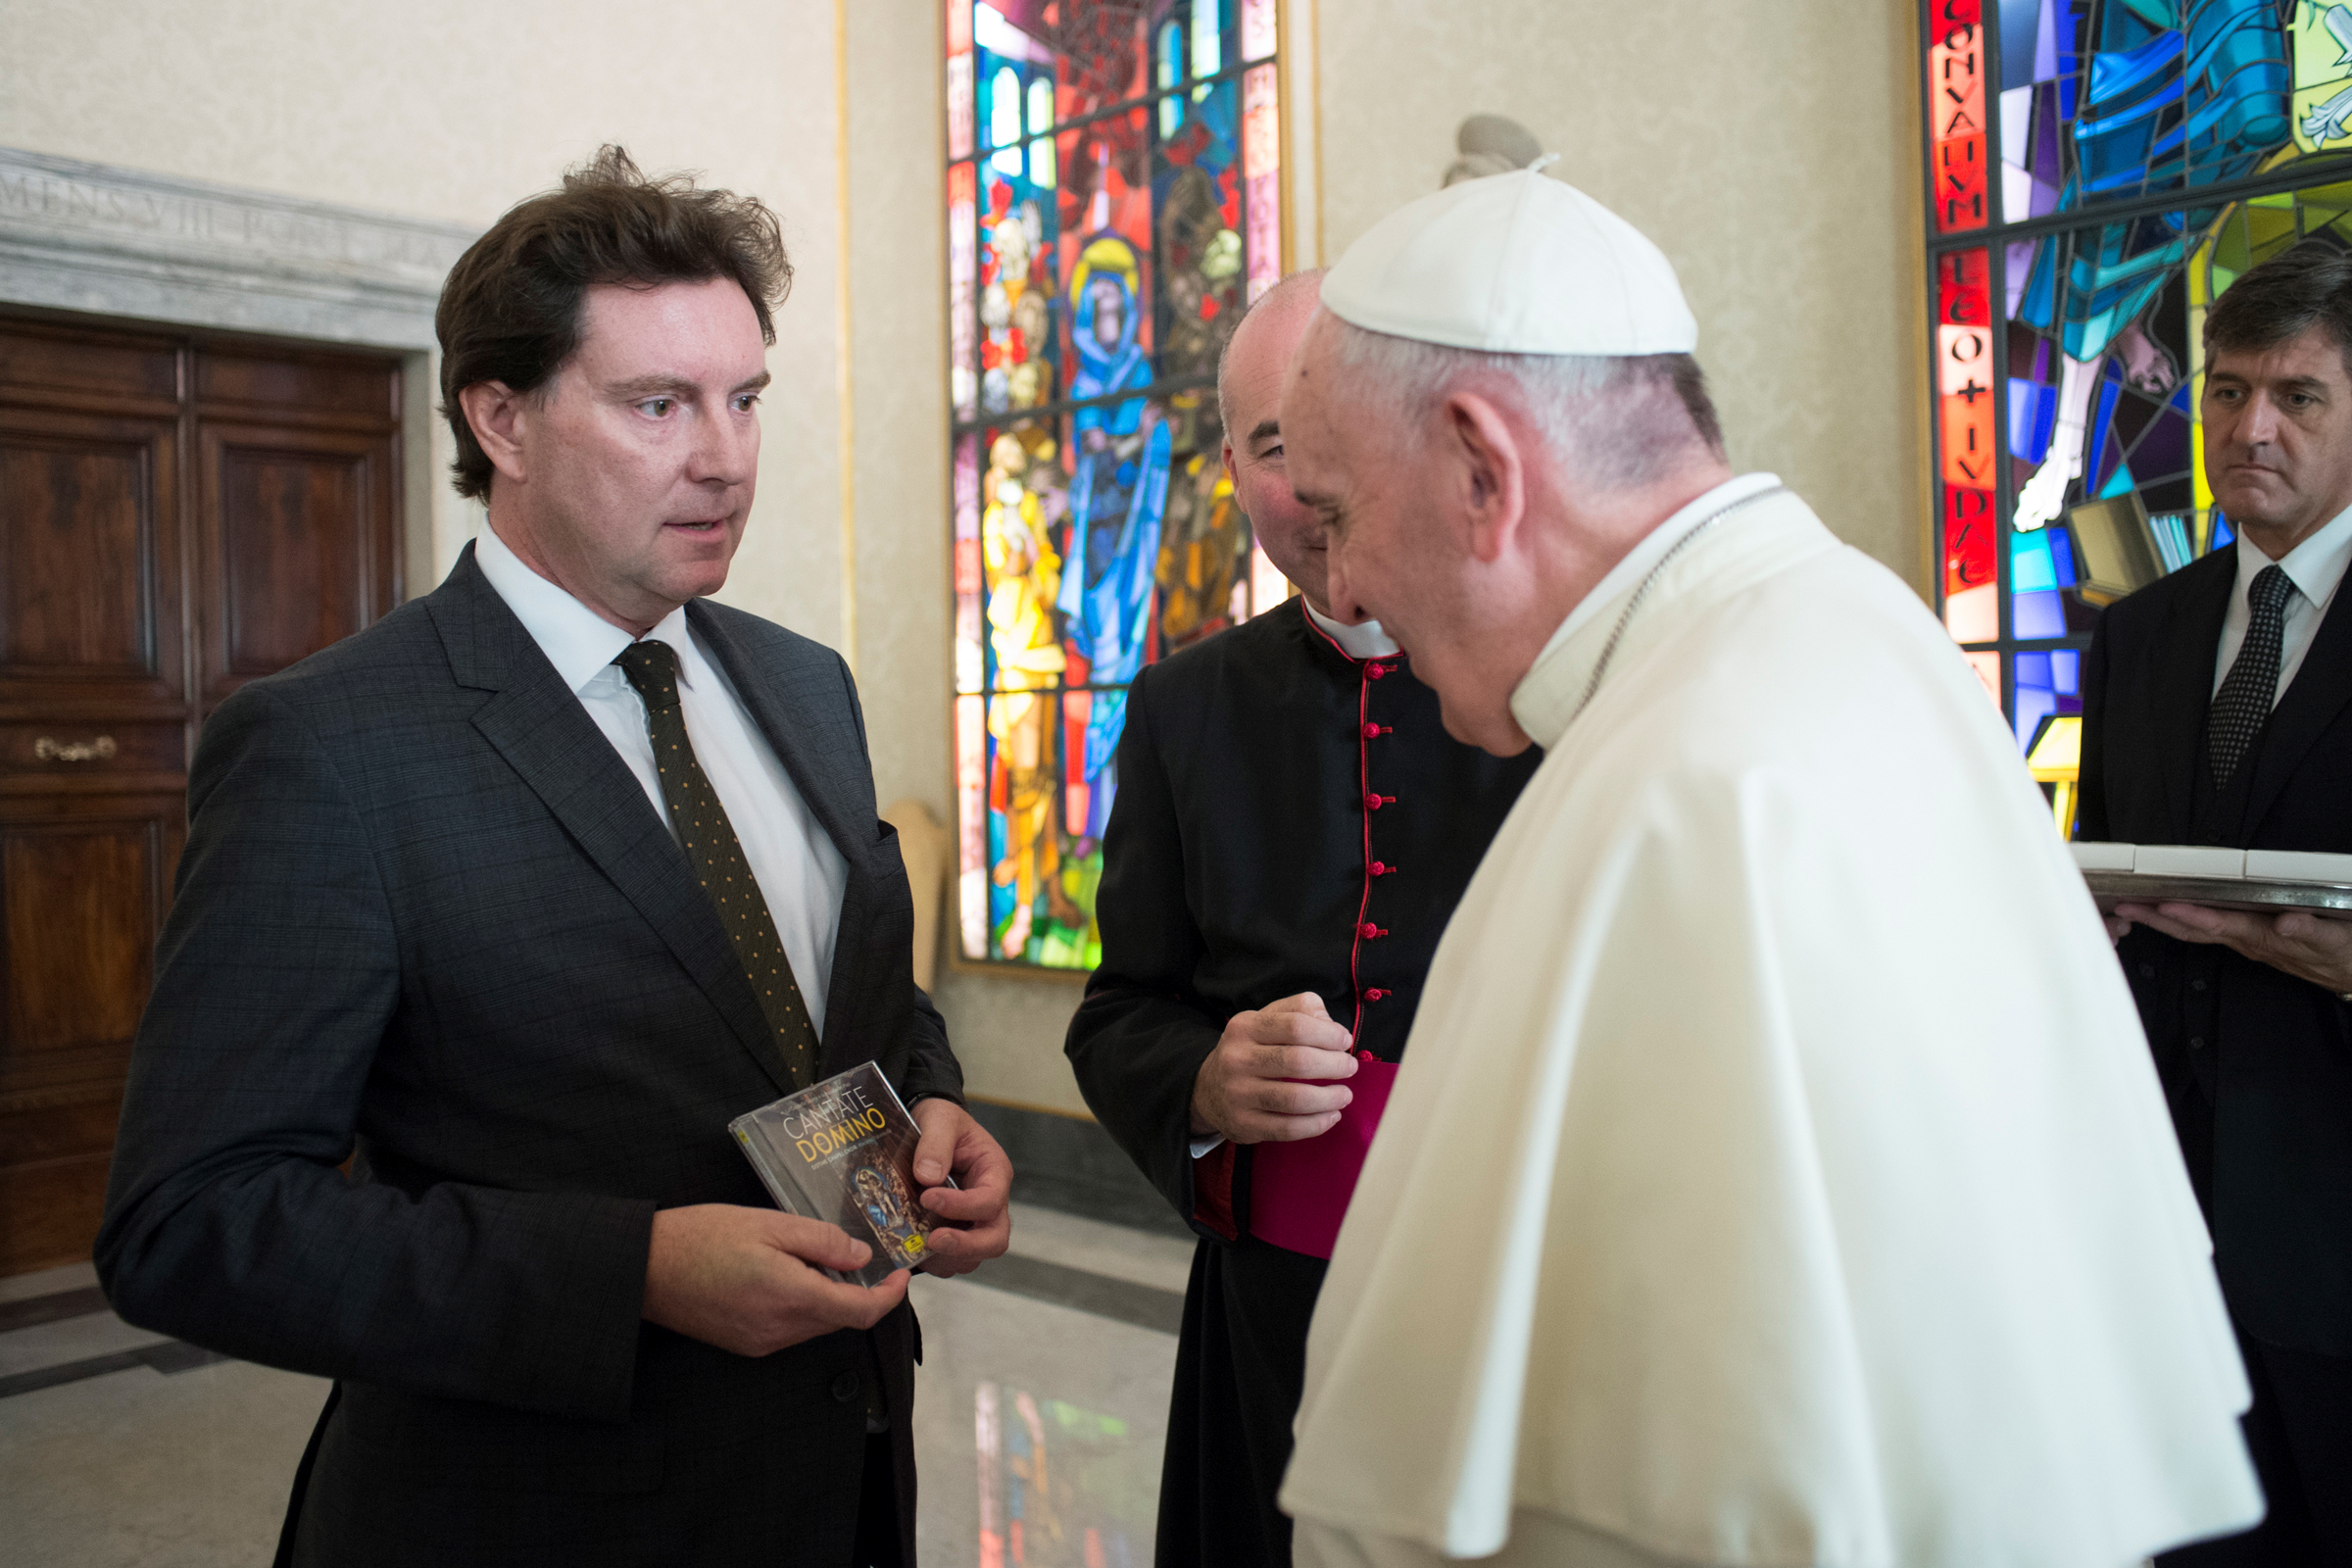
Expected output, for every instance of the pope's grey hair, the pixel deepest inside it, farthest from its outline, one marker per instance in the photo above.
(1617, 423)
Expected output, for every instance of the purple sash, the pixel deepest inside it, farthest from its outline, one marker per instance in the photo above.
(1299, 1192)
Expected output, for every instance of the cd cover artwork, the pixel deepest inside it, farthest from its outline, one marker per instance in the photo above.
(842, 1151)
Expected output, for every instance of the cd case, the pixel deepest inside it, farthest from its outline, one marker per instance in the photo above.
(842, 1151)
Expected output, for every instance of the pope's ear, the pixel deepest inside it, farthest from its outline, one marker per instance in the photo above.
(1489, 471)
(498, 416)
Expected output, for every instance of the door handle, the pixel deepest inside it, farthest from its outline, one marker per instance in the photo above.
(49, 748)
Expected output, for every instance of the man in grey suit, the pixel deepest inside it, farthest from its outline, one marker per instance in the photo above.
(515, 900)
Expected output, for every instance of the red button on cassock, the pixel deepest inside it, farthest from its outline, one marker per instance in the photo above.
(1371, 802)
(1367, 929)
(1371, 731)
(1379, 869)
(1375, 671)
(1374, 994)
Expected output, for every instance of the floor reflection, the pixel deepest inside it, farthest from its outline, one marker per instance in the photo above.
(1057, 1485)
(1039, 1424)
(1040, 1413)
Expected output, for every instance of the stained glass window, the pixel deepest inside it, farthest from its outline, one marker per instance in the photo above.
(2098, 171)
(1114, 172)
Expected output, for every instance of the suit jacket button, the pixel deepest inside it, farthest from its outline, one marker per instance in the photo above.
(845, 1386)
(2198, 1044)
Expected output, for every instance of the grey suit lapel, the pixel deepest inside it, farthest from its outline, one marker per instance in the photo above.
(537, 725)
(817, 740)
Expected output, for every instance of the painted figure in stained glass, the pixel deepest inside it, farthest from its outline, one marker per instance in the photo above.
(1024, 573)
(1030, 382)
(1117, 490)
(2321, 58)
(1015, 372)
(2173, 92)
(1200, 265)
(1203, 547)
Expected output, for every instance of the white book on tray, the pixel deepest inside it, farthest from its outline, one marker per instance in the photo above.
(2273, 880)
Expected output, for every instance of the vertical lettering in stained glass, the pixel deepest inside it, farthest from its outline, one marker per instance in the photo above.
(1966, 443)
(1956, 116)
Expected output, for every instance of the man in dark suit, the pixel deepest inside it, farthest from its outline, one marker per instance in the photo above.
(1292, 830)
(516, 900)
(2218, 710)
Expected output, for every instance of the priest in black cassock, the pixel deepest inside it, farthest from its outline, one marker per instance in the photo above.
(1292, 830)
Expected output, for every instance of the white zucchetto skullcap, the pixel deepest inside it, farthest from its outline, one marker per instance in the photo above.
(1513, 264)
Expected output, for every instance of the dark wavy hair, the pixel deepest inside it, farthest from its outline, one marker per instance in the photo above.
(511, 310)
(2302, 287)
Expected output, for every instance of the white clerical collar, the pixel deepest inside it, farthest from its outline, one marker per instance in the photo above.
(580, 643)
(1363, 639)
(2315, 567)
(1544, 713)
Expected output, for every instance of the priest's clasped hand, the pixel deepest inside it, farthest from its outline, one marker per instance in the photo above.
(2304, 946)
(1269, 1079)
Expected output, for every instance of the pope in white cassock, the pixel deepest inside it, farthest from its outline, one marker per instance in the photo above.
(1777, 1175)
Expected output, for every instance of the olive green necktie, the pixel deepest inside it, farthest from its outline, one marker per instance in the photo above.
(718, 857)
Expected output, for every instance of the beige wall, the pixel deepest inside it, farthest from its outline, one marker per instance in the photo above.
(1769, 150)
(1772, 151)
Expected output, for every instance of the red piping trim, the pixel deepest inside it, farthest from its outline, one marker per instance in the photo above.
(1363, 782)
(1364, 779)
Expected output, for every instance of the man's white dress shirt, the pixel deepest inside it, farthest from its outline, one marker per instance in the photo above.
(799, 872)
(2315, 568)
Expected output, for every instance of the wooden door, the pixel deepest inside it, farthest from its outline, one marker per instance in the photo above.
(177, 516)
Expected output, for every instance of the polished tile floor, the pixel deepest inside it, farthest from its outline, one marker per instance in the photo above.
(1040, 1413)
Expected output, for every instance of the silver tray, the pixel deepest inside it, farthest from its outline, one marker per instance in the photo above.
(2332, 900)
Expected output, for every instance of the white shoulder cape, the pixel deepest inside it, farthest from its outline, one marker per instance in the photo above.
(1777, 1175)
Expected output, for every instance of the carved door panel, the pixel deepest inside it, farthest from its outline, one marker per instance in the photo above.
(82, 894)
(294, 545)
(93, 761)
(134, 598)
(89, 562)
